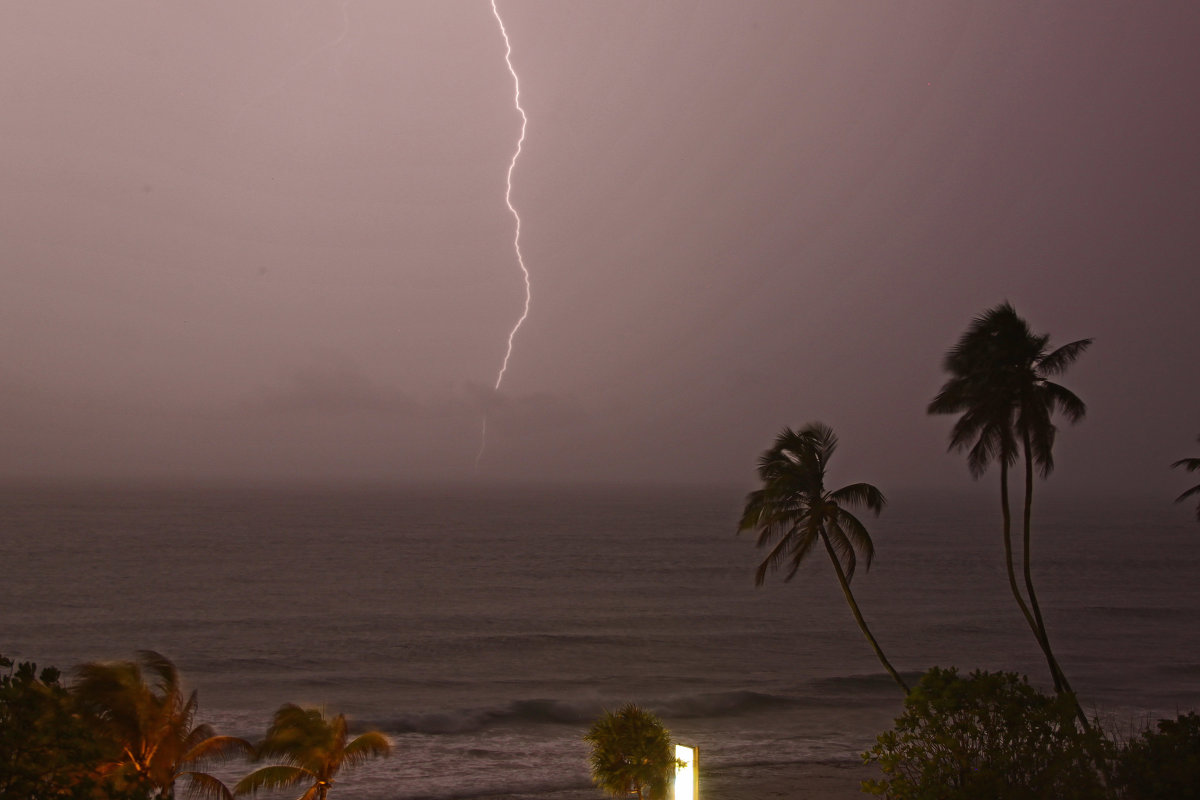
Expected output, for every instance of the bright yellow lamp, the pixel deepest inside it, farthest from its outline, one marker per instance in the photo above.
(687, 774)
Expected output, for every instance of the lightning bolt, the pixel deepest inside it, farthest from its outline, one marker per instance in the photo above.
(512, 165)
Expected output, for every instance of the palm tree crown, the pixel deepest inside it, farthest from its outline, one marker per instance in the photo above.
(152, 722)
(313, 749)
(1191, 465)
(631, 754)
(999, 383)
(793, 512)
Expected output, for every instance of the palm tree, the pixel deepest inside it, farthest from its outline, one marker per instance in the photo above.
(1191, 465)
(631, 754)
(313, 749)
(153, 725)
(1000, 384)
(793, 512)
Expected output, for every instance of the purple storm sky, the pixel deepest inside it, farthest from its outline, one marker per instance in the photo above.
(268, 240)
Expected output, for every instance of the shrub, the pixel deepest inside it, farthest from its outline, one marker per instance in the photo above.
(990, 735)
(48, 749)
(1163, 764)
(631, 754)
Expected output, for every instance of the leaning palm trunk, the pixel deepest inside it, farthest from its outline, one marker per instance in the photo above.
(1034, 617)
(1006, 514)
(1061, 684)
(858, 617)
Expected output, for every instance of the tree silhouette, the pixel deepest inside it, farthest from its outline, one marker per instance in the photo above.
(793, 512)
(153, 725)
(313, 749)
(1000, 385)
(631, 754)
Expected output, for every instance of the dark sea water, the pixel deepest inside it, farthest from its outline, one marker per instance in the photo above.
(483, 628)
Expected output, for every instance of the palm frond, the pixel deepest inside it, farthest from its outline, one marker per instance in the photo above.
(205, 787)
(860, 494)
(158, 664)
(993, 446)
(365, 746)
(822, 439)
(950, 400)
(1189, 464)
(790, 541)
(277, 776)
(857, 535)
(194, 736)
(1195, 490)
(1056, 363)
(1061, 399)
(800, 546)
(219, 749)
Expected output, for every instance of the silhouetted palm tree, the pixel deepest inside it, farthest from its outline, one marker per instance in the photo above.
(153, 724)
(1191, 465)
(999, 383)
(793, 512)
(313, 749)
(631, 754)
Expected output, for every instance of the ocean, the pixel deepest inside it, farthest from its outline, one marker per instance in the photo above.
(483, 628)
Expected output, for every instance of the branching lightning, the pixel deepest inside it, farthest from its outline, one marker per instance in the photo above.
(516, 219)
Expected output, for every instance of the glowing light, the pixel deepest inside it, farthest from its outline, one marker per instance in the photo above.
(517, 224)
(508, 195)
(686, 775)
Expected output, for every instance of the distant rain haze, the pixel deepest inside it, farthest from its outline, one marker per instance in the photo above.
(269, 241)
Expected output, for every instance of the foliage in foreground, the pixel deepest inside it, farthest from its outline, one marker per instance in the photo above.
(990, 734)
(47, 749)
(1162, 764)
(141, 707)
(631, 754)
(125, 730)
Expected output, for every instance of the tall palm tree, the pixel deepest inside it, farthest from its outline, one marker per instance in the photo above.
(153, 724)
(313, 749)
(1191, 465)
(793, 512)
(631, 754)
(1000, 384)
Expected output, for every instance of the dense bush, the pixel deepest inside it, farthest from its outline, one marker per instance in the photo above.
(1162, 764)
(631, 754)
(47, 747)
(990, 735)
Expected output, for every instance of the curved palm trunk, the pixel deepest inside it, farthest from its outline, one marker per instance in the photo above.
(858, 617)
(1061, 684)
(1006, 514)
